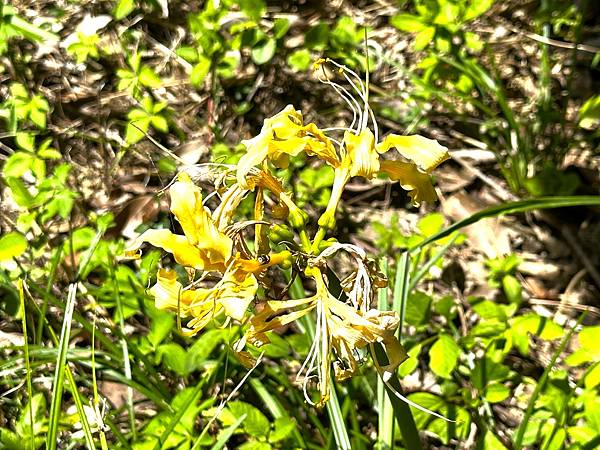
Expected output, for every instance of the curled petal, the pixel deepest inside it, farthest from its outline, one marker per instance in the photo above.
(235, 292)
(196, 222)
(411, 179)
(183, 252)
(364, 160)
(282, 136)
(427, 154)
(167, 293)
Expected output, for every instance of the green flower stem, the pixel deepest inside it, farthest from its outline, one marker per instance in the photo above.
(321, 232)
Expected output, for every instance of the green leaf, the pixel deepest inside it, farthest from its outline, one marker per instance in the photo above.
(589, 350)
(487, 371)
(12, 245)
(199, 71)
(19, 192)
(17, 164)
(280, 27)
(512, 289)
(256, 424)
(443, 356)
(431, 224)
(300, 60)
(149, 78)
(424, 37)
(282, 427)
(123, 9)
(317, 37)
(25, 141)
(136, 130)
(532, 323)
(592, 378)
(589, 113)
(476, 8)
(496, 392)
(254, 9)
(417, 308)
(409, 366)
(38, 117)
(160, 123)
(408, 22)
(511, 208)
(264, 51)
(255, 445)
(491, 442)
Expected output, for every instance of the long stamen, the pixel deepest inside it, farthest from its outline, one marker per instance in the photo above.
(348, 98)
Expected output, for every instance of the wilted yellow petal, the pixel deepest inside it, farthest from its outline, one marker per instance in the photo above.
(427, 154)
(235, 292)
(282, 136)
(184, 253)
(364, 160)
(411, 179)
(196, 222)
(168, 293)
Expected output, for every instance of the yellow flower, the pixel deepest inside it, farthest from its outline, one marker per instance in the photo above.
(282, 136)
(203, 246)
(206, 247)
(231, 295)
(341, 330)
(360, 150)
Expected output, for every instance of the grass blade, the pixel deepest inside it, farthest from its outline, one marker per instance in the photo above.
(27, 363)
(228, 433)
(541, 384)
(512, 208)
(402, 411)
(385, 419)
(59, 373)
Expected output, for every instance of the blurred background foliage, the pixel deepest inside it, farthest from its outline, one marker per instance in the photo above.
(103, 102)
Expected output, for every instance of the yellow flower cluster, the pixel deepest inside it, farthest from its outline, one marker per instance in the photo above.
(225, 275)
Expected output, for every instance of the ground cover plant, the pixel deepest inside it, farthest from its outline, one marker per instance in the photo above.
(266, 225)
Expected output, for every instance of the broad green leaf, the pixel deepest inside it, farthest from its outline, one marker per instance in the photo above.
(431, 224)
(280, 27)
(149, 78)
(282, 427)
(255, 445)
(123, 9)
(300, 60)
(410, 364)
(160, 123)
(476, 8)
(491, 442)
(496, 392)
(256, 424)
(589, 350)
(487, 371)
(254, 9)
(17, 164)
(20, 193)
(407, 22)
(199, 71)
(417, 308)
(532, 323)
(136, 130)
(12, 245)
(512, 289)
(424, 38)
(263, 52)
(443, 356)
(592, 378)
